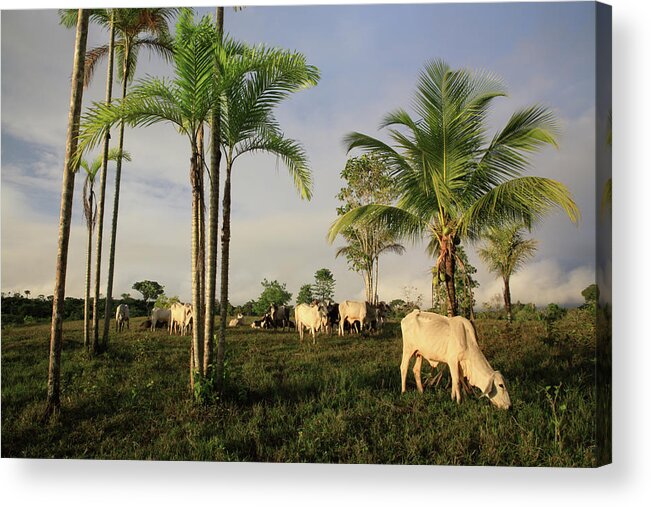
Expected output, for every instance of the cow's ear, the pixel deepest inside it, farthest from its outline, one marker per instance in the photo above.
(489, 387)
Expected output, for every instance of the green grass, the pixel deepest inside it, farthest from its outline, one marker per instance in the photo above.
(336, 402)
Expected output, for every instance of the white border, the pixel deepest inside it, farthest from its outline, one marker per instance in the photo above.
(626, 482)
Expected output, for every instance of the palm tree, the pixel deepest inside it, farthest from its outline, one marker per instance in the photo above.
(103, 17)
(185, 101)
(67, 190)
(453, 182)
(505, 252)
(90, 214)
(248, 125)
(136, 28)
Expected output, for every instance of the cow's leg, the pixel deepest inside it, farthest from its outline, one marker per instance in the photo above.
(404, 366)
(417, 365)
(313, 336)
(454, 374)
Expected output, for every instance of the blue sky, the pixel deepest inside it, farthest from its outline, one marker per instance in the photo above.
(369, 57)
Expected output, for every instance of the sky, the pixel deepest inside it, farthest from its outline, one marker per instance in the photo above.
(370, 57)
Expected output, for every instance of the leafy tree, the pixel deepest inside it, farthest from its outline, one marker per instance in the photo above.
(27, 293)
(324, 285)
(505, 251)
(591, 294)
(164, 302)
(452, 181)
(368, 182)
(149, 289)
(273, 293)
(305, 294)
(70, 166)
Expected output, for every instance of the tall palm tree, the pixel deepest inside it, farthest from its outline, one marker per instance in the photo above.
(248, 125)
(135, 29)
(90, 215)
(505, 251)
(185, 101)
(67, 190)
(454, 182)
(213, 216)
(105, 17)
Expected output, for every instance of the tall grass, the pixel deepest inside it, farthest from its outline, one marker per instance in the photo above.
(336, 402)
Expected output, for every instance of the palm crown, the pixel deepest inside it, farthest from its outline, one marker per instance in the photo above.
(452, 180)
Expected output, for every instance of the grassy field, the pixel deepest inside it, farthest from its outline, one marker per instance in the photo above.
(336, 402)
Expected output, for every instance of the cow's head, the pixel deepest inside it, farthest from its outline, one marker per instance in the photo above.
(496, 391)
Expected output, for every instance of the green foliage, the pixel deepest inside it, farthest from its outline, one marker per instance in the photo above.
(506, 250)
(464, 285)
(305, 294)
(164, 302)
(591, 294)
(553, 312)
(525, 312)
(149, 289)
(324, 285)
(558, 412)
(273, 293)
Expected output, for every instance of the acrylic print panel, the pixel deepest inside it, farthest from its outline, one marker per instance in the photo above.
(423, 211)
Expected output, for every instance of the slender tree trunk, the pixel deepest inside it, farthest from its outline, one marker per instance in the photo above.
(108, 303)
(507, 298)
(197, 325)
(449, 278)
(226, 237)
(213, 224)
(89, 255)
(201, 261)
(377, 278)
(67, 190)
(102, 191)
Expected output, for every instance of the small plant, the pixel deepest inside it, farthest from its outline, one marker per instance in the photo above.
(552, 394)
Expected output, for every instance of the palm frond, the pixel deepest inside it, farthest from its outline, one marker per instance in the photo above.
(524, 200)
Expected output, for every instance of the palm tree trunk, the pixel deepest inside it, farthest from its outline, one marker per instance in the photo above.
(226, 237)
(213, 224)
(102, 192)
(108, 304)
(377, 278)
(89, 255)
(201, 265)
(67, 190)
(507, 298)
(449, 278)
(197, 327)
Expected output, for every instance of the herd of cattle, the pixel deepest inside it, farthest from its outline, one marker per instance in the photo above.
(437, 339)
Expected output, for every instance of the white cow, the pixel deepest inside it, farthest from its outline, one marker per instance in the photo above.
(180, 315)
(160, 315)
(121, 317)
(351, 312)
(237, 321)
(450, 340)
(312, 317)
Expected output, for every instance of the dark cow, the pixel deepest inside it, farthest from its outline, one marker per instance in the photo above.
(264, 323)
(332, 312)
(280, 316)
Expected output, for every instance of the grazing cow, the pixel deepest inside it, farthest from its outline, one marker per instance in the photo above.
(351, 312)
(160, 315)
(264, 323)
(121, 317)
(450, 340)
(236, 322)
(312, 317)
(279, 315)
